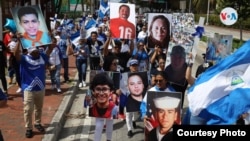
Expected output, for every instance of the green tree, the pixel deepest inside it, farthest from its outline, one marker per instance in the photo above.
(242, 7)
(201, 6)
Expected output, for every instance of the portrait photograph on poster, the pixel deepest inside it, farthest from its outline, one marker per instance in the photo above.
(104, 100)
(159, 30)
(136, 85)
(218, 47)
(183, 26)
(31, 25)
(122, 20)
(176, 68)
(164, 111)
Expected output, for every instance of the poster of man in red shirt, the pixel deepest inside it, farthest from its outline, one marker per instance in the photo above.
(122, 20)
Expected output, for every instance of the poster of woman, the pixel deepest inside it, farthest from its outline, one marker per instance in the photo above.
(159, 29)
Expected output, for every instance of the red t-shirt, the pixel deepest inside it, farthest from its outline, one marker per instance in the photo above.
(122, 29)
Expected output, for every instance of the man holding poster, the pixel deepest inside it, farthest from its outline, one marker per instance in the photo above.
(121, 27)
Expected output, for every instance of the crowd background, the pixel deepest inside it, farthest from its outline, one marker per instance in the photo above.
(96, 48)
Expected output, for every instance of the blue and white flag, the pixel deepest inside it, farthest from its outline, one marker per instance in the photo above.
(222, 93)
(90, 23)
(103, 9)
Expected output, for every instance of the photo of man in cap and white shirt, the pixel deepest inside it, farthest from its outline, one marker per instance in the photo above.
(165, 109)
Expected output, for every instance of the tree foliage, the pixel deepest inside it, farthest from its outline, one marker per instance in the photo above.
(242, 7)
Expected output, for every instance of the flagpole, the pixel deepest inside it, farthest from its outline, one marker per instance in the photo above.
(208, 5)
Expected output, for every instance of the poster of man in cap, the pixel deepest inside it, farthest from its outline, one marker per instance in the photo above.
(31, 25)
(164, 110)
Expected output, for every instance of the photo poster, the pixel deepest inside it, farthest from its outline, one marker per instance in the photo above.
(34, 31)
(218, 47)
(183, 26)
(164, 101)
(115, 76)
(151, 33)
(119, 28)
(168, 56)
(136, 83)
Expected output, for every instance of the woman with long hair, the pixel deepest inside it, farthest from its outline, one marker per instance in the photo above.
(159, 32)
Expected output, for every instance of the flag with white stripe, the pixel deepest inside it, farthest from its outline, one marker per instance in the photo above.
(222, 93)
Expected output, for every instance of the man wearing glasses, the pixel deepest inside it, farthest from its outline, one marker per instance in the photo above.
(102, 88)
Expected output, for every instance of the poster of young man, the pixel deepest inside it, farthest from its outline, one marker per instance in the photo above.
(32, 26)
(103, 103)
(136, 85)
(164, 111)
(122, 20)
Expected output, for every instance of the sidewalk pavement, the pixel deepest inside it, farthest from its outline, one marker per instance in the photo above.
(11, 116)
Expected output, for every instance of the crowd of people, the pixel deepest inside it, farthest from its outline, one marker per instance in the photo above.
(140, 58)
(101, 52)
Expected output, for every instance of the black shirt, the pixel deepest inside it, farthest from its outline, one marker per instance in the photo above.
(132, 104)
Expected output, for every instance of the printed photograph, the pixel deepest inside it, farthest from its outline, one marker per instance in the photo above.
(122, 20)
(159, 30)
(135, 87)
(31, 25)
(218, 47)
(103, 101)
(164, 111)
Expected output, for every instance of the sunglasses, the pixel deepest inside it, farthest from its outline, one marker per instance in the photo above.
(156, 81)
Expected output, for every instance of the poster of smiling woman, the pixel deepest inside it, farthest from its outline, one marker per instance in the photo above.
(31, 25)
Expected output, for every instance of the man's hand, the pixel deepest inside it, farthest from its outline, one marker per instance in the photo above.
(147, 123)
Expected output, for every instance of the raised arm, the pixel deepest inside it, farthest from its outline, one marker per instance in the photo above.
(106, 45)
(18, 49)
(188, 75)
(153, 57)
(131, 46)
